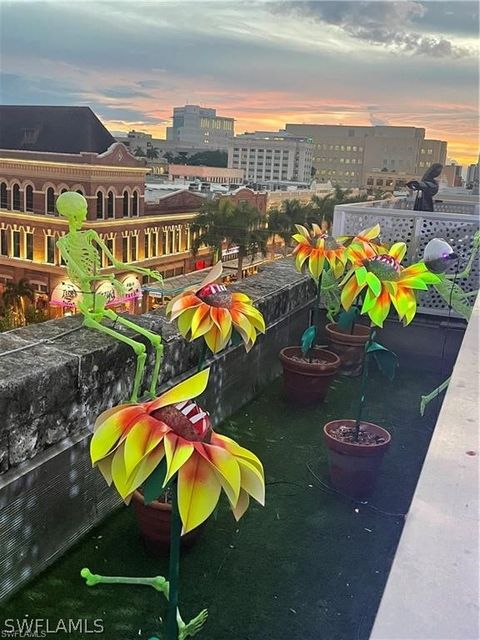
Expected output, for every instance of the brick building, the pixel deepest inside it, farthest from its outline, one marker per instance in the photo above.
(45, 151)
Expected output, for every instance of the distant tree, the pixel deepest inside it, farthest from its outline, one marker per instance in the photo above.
(224, 222)
(323, 207)
(181, 158)
(139, 152)
(209, 159)
(152, 152)
(313, 171)
(282, 221)
(169, 157)
(16, 297)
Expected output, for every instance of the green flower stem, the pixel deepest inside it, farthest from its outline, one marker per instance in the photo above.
(316, 310)
(174, 567)
(363, 386)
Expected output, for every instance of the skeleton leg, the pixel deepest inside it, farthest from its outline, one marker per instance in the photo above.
(138, 347)
(433, 394)
(154, 339)
(159, 583)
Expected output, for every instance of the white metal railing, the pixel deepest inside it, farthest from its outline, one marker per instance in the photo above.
(415, 228)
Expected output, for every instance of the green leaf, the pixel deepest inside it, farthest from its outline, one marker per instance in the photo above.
(386, 360)
(308, 338)
(346, 319)
(153, 485)
(374, 283)
(361, 275)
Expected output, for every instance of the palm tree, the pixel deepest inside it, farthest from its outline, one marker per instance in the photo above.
(139, 152)
(247, 231)
(222, 221)
(152, 152)
(16, 296)
(281, 222)
(211, 226)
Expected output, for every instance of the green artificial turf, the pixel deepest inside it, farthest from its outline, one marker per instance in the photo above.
(311, 565)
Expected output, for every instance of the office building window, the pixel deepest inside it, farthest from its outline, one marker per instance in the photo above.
(3, 196)
(134, 248)
(125, 248)
(29, 198)
(146, 246)
(28, 245)
(3, 242)
(50, 197)
(110, 205)
(50, 249)
(16, 246)
(16, 197)
(135, 203)
(100, 204)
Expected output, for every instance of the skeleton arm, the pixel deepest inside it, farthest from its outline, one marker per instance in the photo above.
(118, 264)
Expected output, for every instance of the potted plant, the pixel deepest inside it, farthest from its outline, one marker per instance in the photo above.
(355, 447)
(169, 443)
(212, 312)
(308, 369)
(346, 335)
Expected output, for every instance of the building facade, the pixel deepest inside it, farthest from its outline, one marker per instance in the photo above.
(218, 175)
(452, 175)
(156, 235)
(348, 155)
(199, 126)
(272, 156)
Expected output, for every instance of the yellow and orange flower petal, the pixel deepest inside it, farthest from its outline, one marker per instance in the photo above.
(314, 247)
(214, 312)
(130, 441)
(384, 281)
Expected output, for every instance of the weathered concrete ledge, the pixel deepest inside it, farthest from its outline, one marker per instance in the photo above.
(433, 591)
(51, 393)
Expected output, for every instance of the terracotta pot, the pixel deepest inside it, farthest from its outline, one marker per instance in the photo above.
(154, 524)
(307, 382)
(354, 467)
(349, 347)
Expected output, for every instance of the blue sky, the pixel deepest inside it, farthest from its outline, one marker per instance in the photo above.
(264, 63)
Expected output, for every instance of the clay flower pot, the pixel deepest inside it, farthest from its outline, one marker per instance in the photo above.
(154, 520)
(307, 382)
(349, 347)
(354, 467)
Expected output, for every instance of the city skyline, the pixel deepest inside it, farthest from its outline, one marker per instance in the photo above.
(264, 63)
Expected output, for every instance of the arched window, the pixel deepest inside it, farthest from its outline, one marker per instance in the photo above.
(100, 204)
(3, 196)
(29, 198)
(135, 203)
(80, 192)
(50, 200)
(125, 204)
(110, 204)
(16, 197)
(64, 190)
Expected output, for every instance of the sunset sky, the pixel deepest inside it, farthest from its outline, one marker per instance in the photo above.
(264, 63)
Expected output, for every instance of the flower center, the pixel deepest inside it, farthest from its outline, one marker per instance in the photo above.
(186, 420)
(216, 295)
(384, 267)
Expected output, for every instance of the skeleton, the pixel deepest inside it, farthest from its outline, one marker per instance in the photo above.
(159, 583)
(460, 301)
(81, 251)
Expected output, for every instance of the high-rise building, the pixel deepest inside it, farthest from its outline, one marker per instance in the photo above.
(348, 155)
(200, 127)
(272, 156)
(473, 174)
(452, 175)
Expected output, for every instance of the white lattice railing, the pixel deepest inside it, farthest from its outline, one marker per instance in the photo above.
(416, 228)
